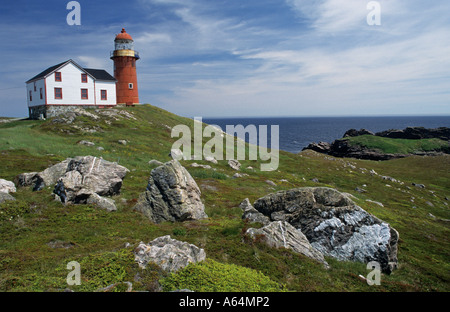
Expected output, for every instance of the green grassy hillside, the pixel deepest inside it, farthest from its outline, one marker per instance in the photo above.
(39, 236)
(399, 146)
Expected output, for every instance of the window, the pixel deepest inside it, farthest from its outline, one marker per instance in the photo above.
(84, 78)
(31, 96)
(58, 93)
(103, 95)
(58, 76)
(84, 94)
(41, 93)
(130, 86)
(35, 87)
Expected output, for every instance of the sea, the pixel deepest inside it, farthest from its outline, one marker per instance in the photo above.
(295, 133)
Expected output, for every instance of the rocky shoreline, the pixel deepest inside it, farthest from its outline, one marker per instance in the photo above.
(344, 148)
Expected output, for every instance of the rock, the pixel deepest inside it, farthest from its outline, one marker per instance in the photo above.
(271, 182)
(417, 133)
(102, 202)
(251, 214)
(342, 148)
(155, 162)
(375, 202)
(418, 185)
(110, 288)
(7, 186)
(321, 147)
(170, 254)
(172, 195)
(100, 148)
(5, 197)
(389, 179)
(48, 177)
(234, 164)
(281, 234)
(123, 142)
(195, 165)
(315, 180)
(87, 175)
(354, 133)
(211, 159)
(25, 179)
(176, 154)
(87, 143)
(60, 244)
(334, 224)
(360, 190)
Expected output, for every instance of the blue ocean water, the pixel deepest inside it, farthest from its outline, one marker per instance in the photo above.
(295, 133)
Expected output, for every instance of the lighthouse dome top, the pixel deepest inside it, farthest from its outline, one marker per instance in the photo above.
(123, 35)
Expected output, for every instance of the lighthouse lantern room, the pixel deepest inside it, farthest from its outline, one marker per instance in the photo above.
(124, 57)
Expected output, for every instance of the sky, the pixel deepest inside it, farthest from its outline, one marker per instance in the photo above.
(245, 58)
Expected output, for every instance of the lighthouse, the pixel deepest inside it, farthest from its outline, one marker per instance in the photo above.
(124, 58)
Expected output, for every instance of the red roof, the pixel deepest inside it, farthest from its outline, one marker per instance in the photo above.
(123, 35)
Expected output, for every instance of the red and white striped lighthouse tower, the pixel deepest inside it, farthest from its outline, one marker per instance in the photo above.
(125, 58)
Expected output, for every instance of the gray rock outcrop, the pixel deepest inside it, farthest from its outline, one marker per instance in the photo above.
(89, 175)
(334, 224)
(48, 177)
(281, 234)
(170, 254)
(234, 164)
(251, 214)
(79, 180)
(5, 197)
(7, 186)
(171, 195)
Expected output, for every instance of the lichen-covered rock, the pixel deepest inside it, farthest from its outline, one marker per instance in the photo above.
(170, 254)
(48, 177)
(7, 186)
(85, 175)
(172, 195)
(334, 224)
(6, 197)
(234, 164)
(251, 214)
(281, 234)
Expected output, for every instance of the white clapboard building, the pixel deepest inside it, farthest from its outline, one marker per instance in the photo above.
(67, 85)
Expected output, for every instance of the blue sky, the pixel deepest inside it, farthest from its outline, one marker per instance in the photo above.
(214, 58)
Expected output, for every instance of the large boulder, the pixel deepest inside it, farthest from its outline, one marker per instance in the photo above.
(48, 177)
(170, 254)
(88, 175)
(172, 195)
(334, 224)
(280, 234)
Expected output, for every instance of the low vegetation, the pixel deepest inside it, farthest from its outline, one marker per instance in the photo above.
(39, 236)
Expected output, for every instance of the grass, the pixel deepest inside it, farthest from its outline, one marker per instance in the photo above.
(399, 146)
(39, 236)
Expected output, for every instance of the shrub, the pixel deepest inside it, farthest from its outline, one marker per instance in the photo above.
(11, 210)
(104, 269)
(212, 276)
